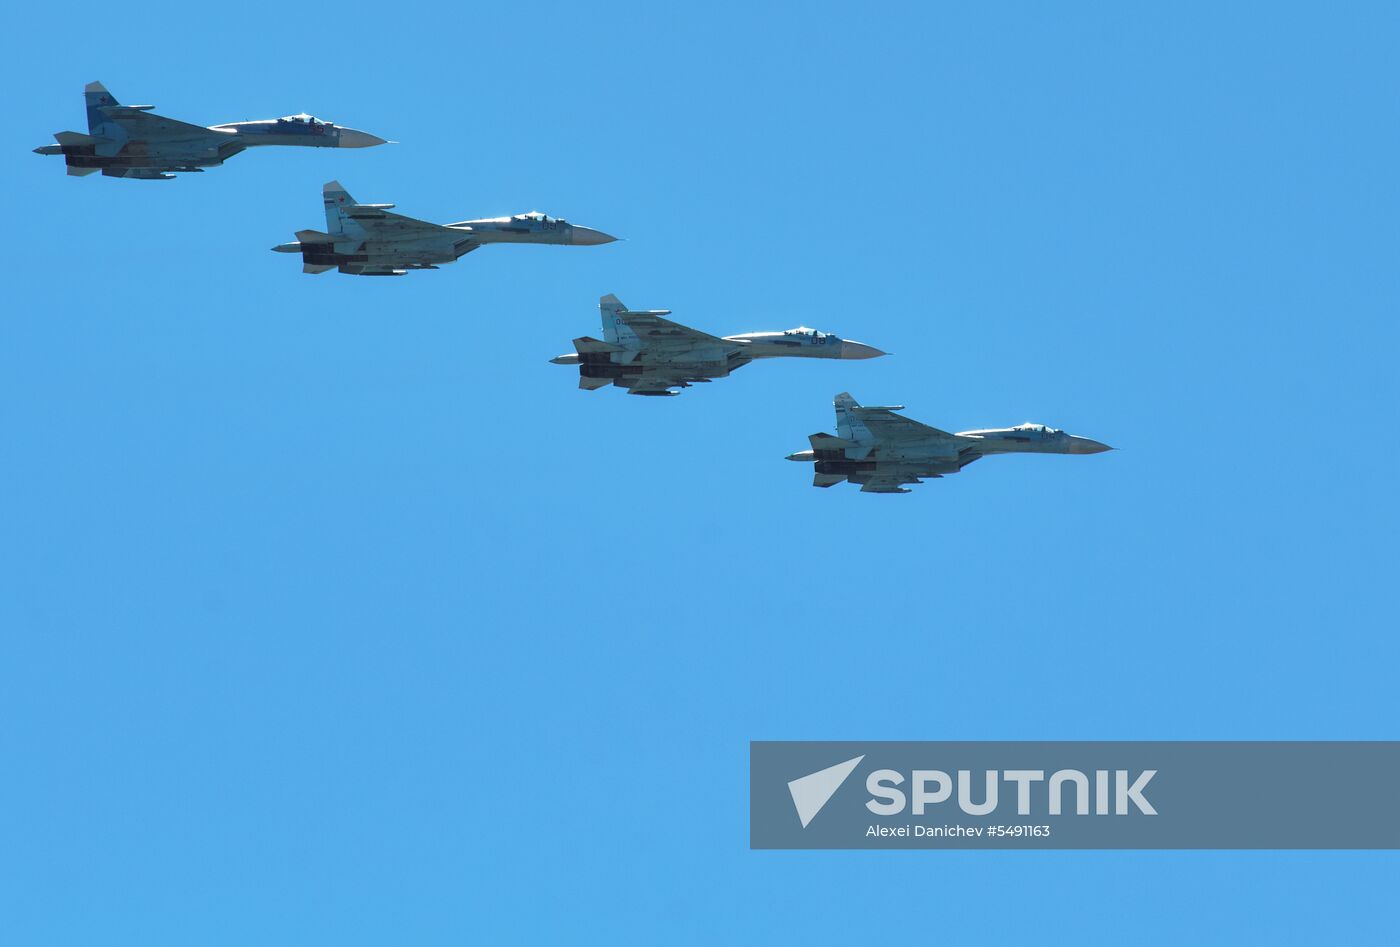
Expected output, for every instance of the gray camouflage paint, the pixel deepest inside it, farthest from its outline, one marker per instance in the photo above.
(650, 355)
(131, 141)
(881, 450)
(367, 240)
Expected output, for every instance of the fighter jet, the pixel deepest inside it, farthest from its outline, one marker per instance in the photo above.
(881, 450)
(131, 141)
(367, 240)
(649, 355)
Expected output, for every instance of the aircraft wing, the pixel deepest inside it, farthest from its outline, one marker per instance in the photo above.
(374, 269)
(885, 485)
(888, 426)
(148, 126)
(891, 479)
(655, 383)
(656, 331)
(381, 224)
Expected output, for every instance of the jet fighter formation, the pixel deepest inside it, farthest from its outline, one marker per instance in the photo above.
(131, 141)
(641, 351)
(649, 355)
(881, 450)
(367, 240)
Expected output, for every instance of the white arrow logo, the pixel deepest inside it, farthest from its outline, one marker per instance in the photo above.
(811, 792)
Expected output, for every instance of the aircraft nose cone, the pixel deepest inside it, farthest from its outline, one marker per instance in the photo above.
(851, 349)
(588, 237)
(354, 138)
(1084, 445)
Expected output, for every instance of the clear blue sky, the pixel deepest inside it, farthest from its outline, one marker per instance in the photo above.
(332, 613)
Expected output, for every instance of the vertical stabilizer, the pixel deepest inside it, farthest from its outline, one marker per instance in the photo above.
(848, 425)
(614, 329)
(96, 96)
(337, 199)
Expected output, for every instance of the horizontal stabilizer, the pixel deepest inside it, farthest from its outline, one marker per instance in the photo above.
(314, 236)
(593, 384)
(81, 172)
(77, 139)
(587, 344)
(824, 441)
(826, 480)
(316, 267)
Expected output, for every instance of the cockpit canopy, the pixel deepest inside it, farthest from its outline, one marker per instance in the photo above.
(1039, 428)
(536, 217)
(810, 333)
(302, 118)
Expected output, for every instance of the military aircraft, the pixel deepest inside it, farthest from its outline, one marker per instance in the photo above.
(367, 240)
(881, 450)
(649, 355)
(131, 141)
